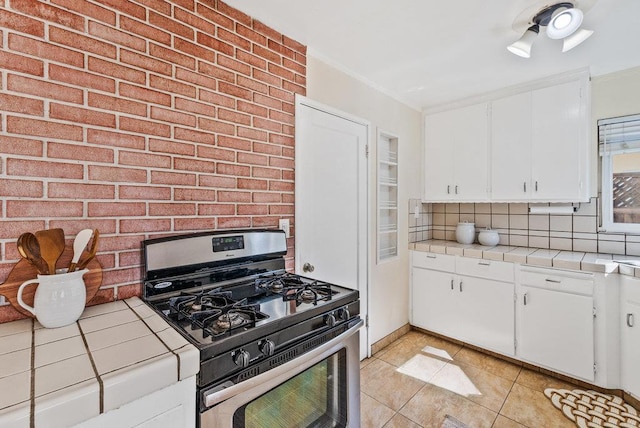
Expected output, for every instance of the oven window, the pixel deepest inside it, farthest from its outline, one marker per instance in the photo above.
(315, 398)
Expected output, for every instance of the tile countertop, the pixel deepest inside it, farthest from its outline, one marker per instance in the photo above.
(590, 262)
(114, 354)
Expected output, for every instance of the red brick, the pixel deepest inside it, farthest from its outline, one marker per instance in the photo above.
(289, 108)
(42, 128)
(22, 64)
(20, 146)
(266, 124)
(214, 45)
(87, 9)
(252, 209)
(253, 109)
(81, 115)
(144, 226)
(143, 159)
(118, 37)
(107, 102)
(281, 186)
(195, 195)
(83, 43)
(294, 66)
(173, 178)
(234, 13)
(234, 90)
(268, 149)
(251, 59)
(21, 188)
(288, 152)
(172, 147)
(43, 208)
(295, 45)
(281, 209)
(198, 224)
(32, 168)
(120, 276)
(216, 153)
(80, 191)
(231, 196)
(252, 84)
(234, 39)
(214, 16)
(157, 5)
(252, 159)
(170, 25)
(216, 209)
(281, 71)
(288, 130)
(144, 94)
(292, 87)
(81, 78)
(234, 116)
(21, 23)
(281, 49)
(271, 79)
(45, 50)
(251, 34)
(193, 49)
(195, 107)
(131, 258)
(250, 184)
(283, 140)
(216, 99)
(23, 105)
(116, 174)
(281, 162)
(266, 54)
(193, 165)
(216, 126)
(149, 193)
(264, 221)
(125, 7)
(77, 152)
(281, 95)
(169, 85)
(282, 117)
(114, 139)
(302, 59)
(271, 173)
(267, 101)
(288, 198)
(72, 226)
(187, 4)
(43, 89)
(145, 62)
(252, 134)
(260, 197)
(235, 170)
(196, 78)
(194, 136)
(49, 13)
(215, 71)
(288, 174)
(194, 21)
(172, 116)
(171, 56)
(171, 209)
(267, 31)
(301, 80)
(233, 222)
(12, 229)
(116, 70)
(145, 127)
(217, 182)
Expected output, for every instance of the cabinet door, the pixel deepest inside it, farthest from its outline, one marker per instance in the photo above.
(438, 156)
(556, 331)
(486, 309)
(631, 336)
(557, 143)
(471, 153)
(432, 305)
(511, 148)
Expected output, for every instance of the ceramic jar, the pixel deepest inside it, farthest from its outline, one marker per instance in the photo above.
(466, 233)
(488, 237)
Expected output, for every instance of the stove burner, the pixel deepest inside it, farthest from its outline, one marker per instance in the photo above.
(229, 320)
(308, 296)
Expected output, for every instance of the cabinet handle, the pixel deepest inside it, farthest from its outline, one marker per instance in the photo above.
(555, 281)
(484, 263)
(448, 189)
(524, 185)
(630, 320)
(431, 257)
(452, 285)
(456, 189)
(461, 286)
(525, 298)
(536, 186)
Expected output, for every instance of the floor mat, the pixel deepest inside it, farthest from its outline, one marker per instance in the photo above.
(589, 409)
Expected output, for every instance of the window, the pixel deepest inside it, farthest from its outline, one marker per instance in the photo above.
(619, 147)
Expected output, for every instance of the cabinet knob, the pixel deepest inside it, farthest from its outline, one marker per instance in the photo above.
(448, 189)
(630, 320)
(456, 189)
(524, 185)
(536, 186)
(308, 267)
(461, 286)
(525, 298)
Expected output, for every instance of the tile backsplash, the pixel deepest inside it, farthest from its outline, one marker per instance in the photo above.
(517, 227)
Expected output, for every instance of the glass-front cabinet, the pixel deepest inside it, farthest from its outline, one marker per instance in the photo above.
(387, 196)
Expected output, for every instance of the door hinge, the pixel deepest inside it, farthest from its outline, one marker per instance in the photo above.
(515, 297)
(515, 344)
(594, 311)
(366, 321)
(366, 150)
(595, 368)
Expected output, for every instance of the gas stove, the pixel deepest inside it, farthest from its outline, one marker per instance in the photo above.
(228, 293)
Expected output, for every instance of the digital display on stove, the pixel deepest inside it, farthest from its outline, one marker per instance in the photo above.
(227, 243)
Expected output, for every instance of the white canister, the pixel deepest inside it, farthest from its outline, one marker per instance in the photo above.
(466, 233)
(488, 237)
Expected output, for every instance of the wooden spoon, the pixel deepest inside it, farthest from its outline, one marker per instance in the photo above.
(29, 249)
(91, 252)
(79, 243)
(51, 246)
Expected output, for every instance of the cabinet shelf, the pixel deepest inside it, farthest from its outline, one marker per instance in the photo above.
(387, 201)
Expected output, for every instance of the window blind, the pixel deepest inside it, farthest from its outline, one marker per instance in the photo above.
(619, 134)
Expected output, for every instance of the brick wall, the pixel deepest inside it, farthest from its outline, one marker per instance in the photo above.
(142, 118)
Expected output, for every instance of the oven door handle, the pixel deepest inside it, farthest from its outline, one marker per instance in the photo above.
(211, 399)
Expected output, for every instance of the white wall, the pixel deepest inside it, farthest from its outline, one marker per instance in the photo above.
(388, 281)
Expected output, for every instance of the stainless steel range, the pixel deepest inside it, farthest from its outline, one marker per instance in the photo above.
(276, 349)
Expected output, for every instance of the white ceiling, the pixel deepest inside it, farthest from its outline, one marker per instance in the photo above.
(427, 53)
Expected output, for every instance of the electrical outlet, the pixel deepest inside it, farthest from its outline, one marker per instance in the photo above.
(416, 211)
(283, 224)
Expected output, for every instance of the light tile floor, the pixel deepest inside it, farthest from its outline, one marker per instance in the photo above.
(419, 379)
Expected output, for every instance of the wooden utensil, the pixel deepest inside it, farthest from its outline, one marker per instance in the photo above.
(92, 250)
(29, 249)
(24, 270)
(79, 243)
(51, 246)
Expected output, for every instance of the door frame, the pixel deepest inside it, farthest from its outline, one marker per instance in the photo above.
(364, 268)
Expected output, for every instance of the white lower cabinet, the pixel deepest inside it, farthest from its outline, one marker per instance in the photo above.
(630, 335)
(555, 321)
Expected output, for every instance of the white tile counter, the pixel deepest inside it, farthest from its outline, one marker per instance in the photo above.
(114, 354)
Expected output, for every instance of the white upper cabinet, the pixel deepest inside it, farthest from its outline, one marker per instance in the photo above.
(456, 155)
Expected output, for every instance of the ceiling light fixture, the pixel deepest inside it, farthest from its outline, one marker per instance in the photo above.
(562, 21)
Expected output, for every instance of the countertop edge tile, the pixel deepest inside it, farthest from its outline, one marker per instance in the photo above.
(69, 406)
(16, 416)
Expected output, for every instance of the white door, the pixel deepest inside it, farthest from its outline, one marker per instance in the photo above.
(331, 200)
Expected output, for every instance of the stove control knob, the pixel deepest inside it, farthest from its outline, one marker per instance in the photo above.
(344, 314)
(241, 358)
(330, 320)
(267, 347)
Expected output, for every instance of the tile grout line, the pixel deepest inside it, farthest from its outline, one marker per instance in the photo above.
(93, 366)
(32, 394)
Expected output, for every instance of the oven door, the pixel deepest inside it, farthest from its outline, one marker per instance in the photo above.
(320, 388)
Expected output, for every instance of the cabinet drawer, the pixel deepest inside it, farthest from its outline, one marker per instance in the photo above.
(558, 280)
(489, 269)
(444, 262)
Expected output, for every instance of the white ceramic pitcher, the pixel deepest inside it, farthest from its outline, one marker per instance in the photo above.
(59, 299)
